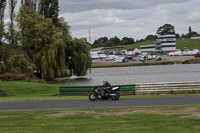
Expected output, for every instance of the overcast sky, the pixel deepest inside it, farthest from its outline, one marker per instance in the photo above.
(129, 18)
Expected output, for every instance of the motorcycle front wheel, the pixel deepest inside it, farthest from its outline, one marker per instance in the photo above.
(93, 97)
(116, 95)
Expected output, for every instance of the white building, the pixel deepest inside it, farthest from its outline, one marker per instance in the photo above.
(164, 43)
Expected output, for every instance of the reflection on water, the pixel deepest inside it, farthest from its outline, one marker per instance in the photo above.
(139, 74)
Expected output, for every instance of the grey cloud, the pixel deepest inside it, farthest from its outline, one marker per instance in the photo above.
(129, 17)
(85, 5)
(94, 19)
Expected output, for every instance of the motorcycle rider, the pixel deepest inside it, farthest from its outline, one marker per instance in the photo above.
(107, 85)
(104, 89)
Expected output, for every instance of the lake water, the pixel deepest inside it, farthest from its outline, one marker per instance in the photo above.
(140, 74)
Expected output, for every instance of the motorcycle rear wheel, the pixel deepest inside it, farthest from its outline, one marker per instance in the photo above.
(93, 97)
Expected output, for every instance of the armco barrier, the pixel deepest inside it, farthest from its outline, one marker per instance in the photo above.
(86, 90)
(168, 88)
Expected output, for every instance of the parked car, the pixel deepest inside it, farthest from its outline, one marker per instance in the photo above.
(190, 52)
(193, 52)
(153, 56)
(119, 59)
(176, 53)
(158, 58)
(141, 57)
(149, 57)
(125, 60)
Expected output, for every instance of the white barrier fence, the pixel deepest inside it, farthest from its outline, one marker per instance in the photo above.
(168, 88)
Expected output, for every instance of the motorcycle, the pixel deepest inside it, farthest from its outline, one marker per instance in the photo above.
(100, 92)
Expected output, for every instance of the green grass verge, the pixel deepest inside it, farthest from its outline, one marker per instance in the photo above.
(36, 91)
(180, 44)
(175, 119)
(45, 98)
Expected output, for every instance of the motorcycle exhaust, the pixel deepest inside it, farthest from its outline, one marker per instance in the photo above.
(113, 94)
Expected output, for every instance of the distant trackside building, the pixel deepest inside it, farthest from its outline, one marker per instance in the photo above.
(164, 44)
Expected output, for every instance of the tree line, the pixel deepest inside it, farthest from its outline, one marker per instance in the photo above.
(115, 41)
(166, 29)
(37, 42)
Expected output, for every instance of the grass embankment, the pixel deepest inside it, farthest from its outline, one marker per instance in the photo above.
(180, 44)
(137, 45)
(188, 44)
(25, 91)
(176, 119)
(192, 61)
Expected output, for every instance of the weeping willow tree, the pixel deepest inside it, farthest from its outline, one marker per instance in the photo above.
(67, 38)
(43, 43)
(79, 56)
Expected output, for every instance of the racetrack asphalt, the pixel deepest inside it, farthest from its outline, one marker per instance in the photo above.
(81, 104)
